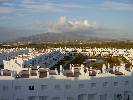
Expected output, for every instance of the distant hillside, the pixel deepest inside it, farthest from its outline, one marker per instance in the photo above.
(63, 37)
(54, 37)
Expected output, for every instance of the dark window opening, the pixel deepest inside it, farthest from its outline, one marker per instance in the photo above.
(31, 87)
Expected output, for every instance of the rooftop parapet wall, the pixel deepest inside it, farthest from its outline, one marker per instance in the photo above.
(78, 73)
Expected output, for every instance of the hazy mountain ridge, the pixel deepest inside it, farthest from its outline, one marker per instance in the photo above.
(62, 37)
(52, 37)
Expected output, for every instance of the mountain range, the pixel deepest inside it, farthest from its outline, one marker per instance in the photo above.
(62, 37)
(55, 37)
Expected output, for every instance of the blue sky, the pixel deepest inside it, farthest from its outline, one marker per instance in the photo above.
(26, 17)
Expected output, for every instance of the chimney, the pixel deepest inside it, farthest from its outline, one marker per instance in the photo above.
(12, 73)
(90, 72)
(47, 73)
(38, 67)
(82, 69)
(114, 68)
(72, 69)
(87, 72)
(70, 66)
(108, 65)
(61, 70)
(2, 72)
(131, 68)
(29, 72)
(104, 68)
(37, 73)
(56, 71)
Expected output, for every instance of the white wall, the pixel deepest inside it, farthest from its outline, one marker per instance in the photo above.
(78, 87)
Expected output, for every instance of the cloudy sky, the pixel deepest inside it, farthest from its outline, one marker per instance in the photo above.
(104, 17)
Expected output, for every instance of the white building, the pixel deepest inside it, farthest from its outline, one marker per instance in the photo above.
(78, 83)
(46, 58)
(11, 53)
(74, 84)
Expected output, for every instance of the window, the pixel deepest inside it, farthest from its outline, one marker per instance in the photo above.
(17, 87)
(93, 85)
(68, 86)
(70, 98)
(4, 99)
(32, 98)
(103, 97)
(43, 97)
(43, 87)
(92, 96)
(57, 86)
(31, 87)
(5, 88)
(127, 82)
(19, 99)
(82, 97)
(117, 96)
(81, 86)
(115, 83)
(56, 98)
(105, 84)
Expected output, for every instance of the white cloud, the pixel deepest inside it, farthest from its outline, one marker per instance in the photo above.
(65, 25)
(35, 6)
(117, 6)
(30, 6)
(43, 8)
(5, 0)
(5, 10)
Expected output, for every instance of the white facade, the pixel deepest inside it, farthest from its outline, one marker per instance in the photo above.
(102, 87)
